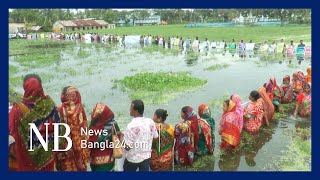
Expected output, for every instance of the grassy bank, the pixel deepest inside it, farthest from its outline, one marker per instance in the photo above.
(257, 34)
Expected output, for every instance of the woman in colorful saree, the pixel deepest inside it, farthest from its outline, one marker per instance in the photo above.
(286, 90)
(205, 114)
(268, 107)
(253, 113)
(162, 149)
(39, 109)
(308, 76)
(205, 143)
(229, 127)
(102, 118)
(72, 113)
(299, 77)
(239, 110)
(187, 137)
(273, 91)
(303, 106)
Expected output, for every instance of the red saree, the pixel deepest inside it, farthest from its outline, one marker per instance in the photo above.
(34, 108)
(253, 116)
(72, 113)
(102, 118)
(184, 146)
(229, 128)
(273, 89)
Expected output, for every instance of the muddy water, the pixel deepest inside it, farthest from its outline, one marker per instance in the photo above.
(94, 73)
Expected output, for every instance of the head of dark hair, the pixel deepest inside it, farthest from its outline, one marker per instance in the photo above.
(227, 102)
(255, 95)
(161, 113)
(138, 106)
(28, 76)
(64, 90)
(184, 109)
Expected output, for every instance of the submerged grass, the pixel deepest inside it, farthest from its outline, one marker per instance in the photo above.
(38, 60)
(153, 49)
(159, 87)
(285, 111)
(14, 96)
(15, 81)
(202, 163)
(298, 155)
(218, 102)
(83, 54)
(293, 66)
(23, 46)
(13, 70)
(217, 67)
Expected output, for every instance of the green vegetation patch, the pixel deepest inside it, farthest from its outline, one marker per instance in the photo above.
(38, 60)
(159, 87)
(217, 67)
(24, 46)
(285, 111)
(201, 163)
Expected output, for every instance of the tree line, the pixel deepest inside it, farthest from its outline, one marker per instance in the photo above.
(46, 17)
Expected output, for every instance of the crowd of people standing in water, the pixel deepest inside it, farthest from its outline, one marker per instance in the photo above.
(166, 145)
(174, 41)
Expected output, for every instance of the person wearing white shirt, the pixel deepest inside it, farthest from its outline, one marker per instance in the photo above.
(138, 139)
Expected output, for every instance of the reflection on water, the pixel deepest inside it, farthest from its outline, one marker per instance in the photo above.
(93, 69)
(229, 161)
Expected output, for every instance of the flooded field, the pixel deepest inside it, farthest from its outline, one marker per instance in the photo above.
(97, 70)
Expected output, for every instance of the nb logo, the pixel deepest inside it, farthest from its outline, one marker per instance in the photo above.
(44, 143)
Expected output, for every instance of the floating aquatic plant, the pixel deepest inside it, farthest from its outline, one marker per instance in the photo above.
(159, 87)
(216, 67)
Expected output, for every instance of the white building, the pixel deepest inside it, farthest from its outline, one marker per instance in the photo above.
(252, 19)
(17, 27)
(151, 20)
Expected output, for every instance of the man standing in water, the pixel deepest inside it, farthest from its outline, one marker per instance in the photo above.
(138, 139)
